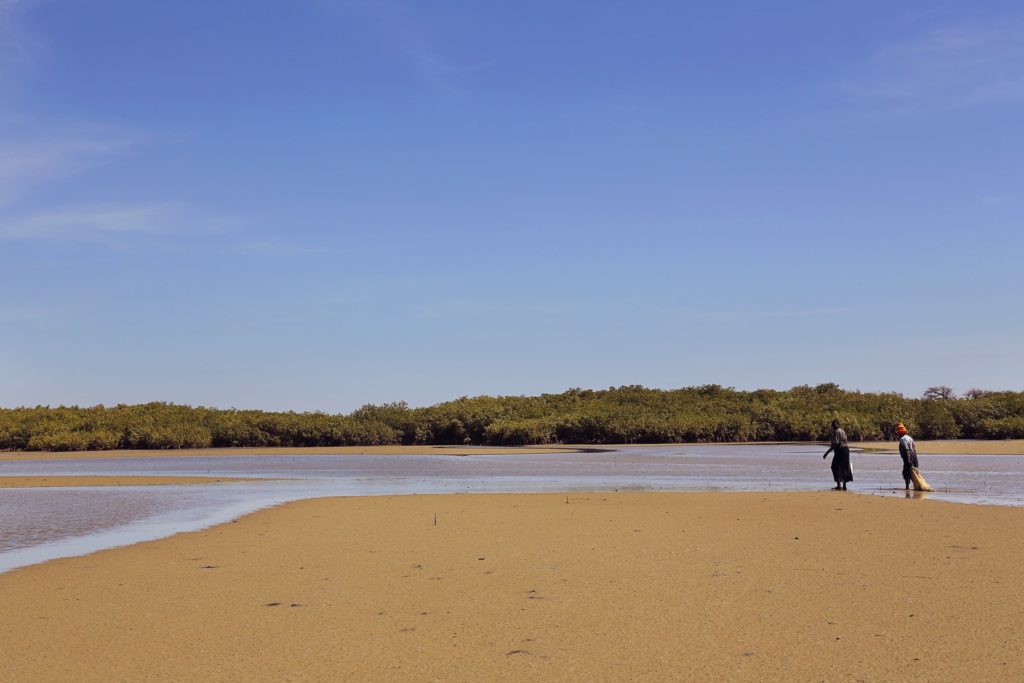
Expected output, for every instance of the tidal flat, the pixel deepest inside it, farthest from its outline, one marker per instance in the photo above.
(80, 516)
(639, 562)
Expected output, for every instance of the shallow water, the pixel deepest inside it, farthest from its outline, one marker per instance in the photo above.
(42, 524)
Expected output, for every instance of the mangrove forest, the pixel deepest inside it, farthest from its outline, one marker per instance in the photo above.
(627, 414)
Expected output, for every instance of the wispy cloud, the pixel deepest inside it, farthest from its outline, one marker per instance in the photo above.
(164, 226)
(403, 32)
(92, 223)
(32, 157)
(17, 44)
(36, 149)
(943, 69)
(39, 154)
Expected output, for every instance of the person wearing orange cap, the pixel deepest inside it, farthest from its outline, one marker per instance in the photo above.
(842, 472)
(908, 452)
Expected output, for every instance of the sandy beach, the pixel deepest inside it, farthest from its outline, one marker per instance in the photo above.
(584, 586)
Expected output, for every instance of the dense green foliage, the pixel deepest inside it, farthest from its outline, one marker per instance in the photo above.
(630, 414)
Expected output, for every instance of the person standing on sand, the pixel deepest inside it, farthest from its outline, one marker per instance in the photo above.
(908, 452)
(842, 472)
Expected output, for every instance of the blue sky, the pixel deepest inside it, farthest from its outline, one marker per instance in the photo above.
(317, 204)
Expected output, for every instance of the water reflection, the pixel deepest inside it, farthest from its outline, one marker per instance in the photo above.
(40, 524)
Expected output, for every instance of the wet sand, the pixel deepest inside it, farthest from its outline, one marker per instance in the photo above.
(606, 586)
(319, 450)
(45, 482)
(951, 447)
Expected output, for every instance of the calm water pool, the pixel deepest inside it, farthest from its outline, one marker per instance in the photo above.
(41, 524)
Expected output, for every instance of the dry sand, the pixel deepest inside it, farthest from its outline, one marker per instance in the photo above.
(595, 586)
(19, 482)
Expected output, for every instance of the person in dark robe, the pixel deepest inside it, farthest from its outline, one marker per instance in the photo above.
(842, 471)
(908, 453)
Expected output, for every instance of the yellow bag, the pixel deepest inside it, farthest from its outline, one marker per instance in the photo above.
(919, 483)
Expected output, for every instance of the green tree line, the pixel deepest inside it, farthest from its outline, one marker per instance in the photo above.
(627, 414)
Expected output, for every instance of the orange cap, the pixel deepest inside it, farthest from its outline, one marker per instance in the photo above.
(900, 429)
